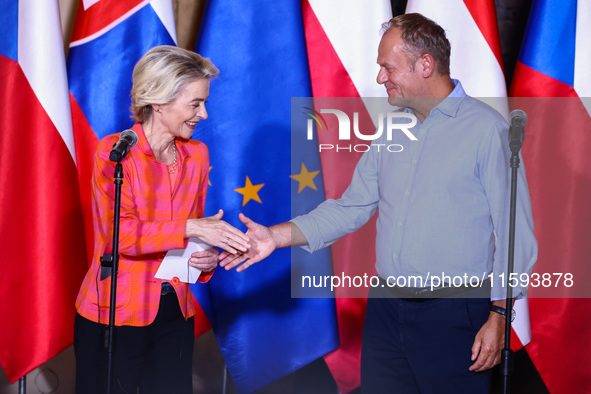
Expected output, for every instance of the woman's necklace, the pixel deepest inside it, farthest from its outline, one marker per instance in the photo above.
(173, 166)
(172, 170)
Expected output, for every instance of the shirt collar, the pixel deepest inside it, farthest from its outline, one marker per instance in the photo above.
(147, 149)
(142, 140)
(450, 105)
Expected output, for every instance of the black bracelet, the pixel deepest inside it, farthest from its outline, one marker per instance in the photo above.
(501, 311)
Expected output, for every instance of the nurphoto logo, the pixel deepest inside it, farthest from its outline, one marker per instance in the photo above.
(394, 122)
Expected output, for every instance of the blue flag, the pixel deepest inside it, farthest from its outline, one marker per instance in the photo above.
(105, 47)
(108, 39)
(264, 333)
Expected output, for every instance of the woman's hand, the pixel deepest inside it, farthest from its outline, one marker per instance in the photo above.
(205, 260)
(218, 233)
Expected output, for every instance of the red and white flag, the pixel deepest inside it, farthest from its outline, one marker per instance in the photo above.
(44, 257)
(342, 39)
(471, 28)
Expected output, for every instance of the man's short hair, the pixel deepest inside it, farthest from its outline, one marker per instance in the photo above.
(421, 35)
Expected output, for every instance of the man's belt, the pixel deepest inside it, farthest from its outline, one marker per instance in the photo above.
(419, 294)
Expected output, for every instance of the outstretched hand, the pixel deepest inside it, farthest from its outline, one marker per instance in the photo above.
(262, 244)
(217, 232)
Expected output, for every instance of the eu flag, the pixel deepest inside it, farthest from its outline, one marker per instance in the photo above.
(260, 50)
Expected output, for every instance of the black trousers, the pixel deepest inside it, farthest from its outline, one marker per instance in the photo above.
(155, 358)
(421, 347)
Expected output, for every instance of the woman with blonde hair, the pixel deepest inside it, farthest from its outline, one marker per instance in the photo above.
(162, 205)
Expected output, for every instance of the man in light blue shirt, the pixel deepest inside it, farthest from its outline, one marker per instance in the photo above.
(441, 201)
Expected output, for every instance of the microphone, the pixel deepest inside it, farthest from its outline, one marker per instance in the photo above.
(127, 140)
(517, 119)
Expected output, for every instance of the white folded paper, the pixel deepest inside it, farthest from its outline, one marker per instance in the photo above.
(176, 263)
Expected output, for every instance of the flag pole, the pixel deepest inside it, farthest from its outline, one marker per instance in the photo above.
(22, 385)
(225, 381)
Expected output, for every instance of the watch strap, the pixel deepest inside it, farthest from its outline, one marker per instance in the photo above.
(501, 311)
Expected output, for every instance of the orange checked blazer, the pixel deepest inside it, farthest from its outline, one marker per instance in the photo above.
(153, 218)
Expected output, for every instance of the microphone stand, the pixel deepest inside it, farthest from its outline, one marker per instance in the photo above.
(507, 353)
(516, 140)
(109, 267)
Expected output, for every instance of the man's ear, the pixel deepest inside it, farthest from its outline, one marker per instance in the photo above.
(426, 65)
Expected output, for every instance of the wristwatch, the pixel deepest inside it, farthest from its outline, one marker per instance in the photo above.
(501, 311)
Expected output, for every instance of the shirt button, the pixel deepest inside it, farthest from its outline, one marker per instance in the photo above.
(414, 161)
(395, 256)
(407, 193)
(399, 224)
(176, 280)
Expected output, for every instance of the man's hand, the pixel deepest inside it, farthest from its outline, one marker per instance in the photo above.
(262, 244)
(488, 344)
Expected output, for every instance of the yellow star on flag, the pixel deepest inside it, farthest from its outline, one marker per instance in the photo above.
(208, 178)
(250, 192)
(305, 178)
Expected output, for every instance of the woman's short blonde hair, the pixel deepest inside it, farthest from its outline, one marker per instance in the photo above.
(162, 74)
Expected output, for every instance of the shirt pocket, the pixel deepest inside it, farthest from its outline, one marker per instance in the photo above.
(123, 291)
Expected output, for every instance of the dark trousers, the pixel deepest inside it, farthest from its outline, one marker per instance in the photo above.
(155, 358)
(421, 347)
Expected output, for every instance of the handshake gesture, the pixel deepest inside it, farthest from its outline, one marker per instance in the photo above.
(263, 241)
(243, 250)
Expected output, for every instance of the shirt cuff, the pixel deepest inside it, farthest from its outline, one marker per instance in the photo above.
(306, 227)
(205, 276)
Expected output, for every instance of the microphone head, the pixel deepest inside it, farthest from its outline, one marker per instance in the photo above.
(131, 136)
(127, 140)
(517, 113)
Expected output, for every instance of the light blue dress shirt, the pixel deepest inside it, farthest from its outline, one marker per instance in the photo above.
(441, 200)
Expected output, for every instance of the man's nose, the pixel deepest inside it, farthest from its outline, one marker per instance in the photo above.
(381, 78)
